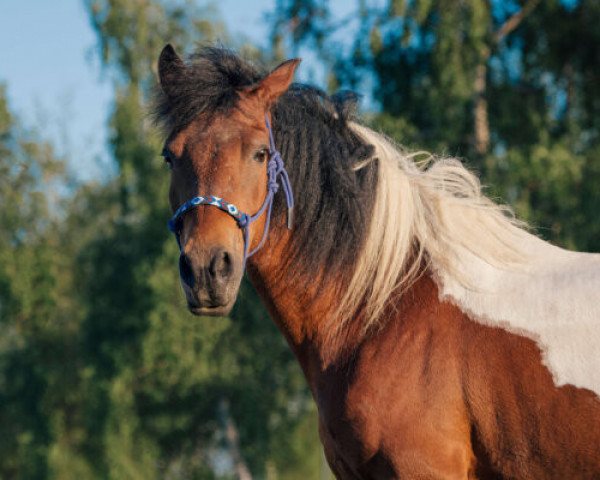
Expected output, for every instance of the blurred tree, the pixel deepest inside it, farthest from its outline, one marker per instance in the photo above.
(511, 85)
(103, 372)
(158, 378)
(37, 321)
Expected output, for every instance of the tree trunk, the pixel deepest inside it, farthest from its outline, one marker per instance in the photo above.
(233, 441)
(480, 108)
(482, 126)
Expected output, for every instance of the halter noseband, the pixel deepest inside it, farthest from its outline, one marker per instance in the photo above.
(275, 168)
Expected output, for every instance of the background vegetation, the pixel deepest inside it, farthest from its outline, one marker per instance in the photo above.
(104, 374)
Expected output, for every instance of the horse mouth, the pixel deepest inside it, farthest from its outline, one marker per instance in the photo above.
(210, 310)
(209, 303)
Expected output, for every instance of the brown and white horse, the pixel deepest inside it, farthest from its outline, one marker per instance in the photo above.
(439, 338)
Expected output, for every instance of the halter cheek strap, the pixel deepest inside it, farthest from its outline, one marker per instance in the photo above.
(275, 172)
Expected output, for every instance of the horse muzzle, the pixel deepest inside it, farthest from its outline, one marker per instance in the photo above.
(210, 280)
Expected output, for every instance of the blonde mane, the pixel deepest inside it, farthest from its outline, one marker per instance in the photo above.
(426, 212)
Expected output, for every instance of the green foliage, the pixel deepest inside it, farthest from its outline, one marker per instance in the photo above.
(103, 372)
(163, 374)
(31, 324)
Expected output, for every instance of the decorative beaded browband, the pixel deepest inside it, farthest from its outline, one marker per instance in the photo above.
(275, 168)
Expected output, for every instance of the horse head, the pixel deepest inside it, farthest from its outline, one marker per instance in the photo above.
(221, 154)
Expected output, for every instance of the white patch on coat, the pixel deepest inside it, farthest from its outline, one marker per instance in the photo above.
(554, 300)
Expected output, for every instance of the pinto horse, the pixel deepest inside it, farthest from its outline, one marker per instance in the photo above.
(439, 338)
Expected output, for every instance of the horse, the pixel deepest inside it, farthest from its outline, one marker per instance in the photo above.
(439, 337)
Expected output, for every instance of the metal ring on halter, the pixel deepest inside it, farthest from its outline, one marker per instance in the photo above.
(275, 169)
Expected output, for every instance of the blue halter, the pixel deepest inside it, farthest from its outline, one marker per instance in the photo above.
(275, 168)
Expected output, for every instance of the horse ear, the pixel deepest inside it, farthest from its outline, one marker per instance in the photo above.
(270, 88)
(170, 70)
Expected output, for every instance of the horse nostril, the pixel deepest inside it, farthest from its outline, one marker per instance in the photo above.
(221, 266)
(185, 270)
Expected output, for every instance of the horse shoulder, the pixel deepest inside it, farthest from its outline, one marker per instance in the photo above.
(397, 406)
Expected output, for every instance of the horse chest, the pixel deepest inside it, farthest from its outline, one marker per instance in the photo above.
(345, 420)
(385, 416)
(351, 434)
(371, 436)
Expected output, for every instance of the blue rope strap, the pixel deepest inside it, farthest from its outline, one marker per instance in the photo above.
(174, 223)
(275, 171)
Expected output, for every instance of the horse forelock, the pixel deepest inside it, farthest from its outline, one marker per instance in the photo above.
(208, 85)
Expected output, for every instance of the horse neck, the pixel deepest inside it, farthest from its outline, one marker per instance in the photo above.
(302, 308)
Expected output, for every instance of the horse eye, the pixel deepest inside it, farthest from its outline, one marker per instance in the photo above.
(168, 160)
(261, 155)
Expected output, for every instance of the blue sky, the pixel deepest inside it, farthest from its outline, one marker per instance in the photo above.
(53, 77)
(55, 83)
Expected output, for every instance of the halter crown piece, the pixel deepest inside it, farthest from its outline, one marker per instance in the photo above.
(275, 168)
